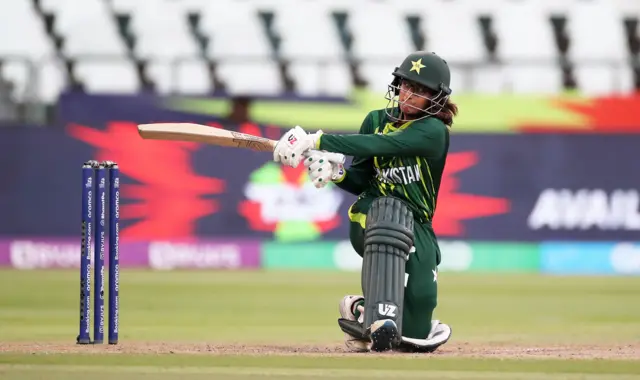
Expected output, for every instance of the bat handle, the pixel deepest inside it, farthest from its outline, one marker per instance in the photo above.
(336, 158)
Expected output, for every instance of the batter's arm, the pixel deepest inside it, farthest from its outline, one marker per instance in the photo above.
(420, 139)
(360, 172)
(357, 176)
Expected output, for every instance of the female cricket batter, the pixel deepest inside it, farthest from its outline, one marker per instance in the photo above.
(398, 159)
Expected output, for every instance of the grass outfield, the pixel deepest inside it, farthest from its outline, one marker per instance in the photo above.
(255, 325)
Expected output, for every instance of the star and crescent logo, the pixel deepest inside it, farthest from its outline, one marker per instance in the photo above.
(417, 65)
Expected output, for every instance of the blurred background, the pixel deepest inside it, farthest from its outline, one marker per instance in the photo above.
(542, 175)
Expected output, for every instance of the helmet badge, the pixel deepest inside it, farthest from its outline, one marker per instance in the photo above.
(417, 65)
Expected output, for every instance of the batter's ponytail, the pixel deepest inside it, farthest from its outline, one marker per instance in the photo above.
(448, 112)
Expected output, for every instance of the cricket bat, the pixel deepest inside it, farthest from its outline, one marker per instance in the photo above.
(213, 136)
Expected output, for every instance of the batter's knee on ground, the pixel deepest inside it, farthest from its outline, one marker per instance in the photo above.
(420, 298)
(417, 316)
(422, 290)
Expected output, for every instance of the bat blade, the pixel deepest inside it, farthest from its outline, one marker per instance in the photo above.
(204, 134)
(214, 136)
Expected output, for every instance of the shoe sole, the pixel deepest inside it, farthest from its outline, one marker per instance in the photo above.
(385, 337)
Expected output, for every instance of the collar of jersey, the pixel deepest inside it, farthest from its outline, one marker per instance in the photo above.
(389, 127)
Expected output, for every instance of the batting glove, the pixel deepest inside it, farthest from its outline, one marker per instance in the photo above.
(323, 168)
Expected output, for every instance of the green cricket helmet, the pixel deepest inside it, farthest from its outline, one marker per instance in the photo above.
(427, 70)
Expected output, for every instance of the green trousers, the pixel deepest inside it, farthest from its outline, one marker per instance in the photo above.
(421, 285)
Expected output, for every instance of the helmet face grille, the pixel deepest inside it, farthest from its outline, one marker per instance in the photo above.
(435, 104)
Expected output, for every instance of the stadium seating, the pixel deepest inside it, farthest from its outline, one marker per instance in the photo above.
(315, 47)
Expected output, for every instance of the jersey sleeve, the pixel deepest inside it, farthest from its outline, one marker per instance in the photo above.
(425, 139)
(360, 172)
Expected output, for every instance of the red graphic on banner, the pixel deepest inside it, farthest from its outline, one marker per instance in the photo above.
(618, 114)
(168, 198)
(602, 115)
(454, 207)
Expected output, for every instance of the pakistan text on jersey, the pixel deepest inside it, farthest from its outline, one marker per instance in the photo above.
(402, 174)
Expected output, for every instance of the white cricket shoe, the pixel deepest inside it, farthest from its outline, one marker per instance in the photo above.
(440, 333)
(346, 311)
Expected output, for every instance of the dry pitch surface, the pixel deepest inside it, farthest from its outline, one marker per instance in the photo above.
(452, 349)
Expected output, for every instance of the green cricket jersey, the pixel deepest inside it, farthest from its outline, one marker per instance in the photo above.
(405, 162)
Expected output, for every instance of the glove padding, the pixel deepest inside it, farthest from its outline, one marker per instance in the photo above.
(293, 145)
(322, 169)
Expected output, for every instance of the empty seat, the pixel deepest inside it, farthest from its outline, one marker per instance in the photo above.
(415, 7)
(108, 76)
(460, 79)
(558, 6)
(488, 79)
(628, 8)
(533, 79)
(52, 80)
(184, 77)
(160, 28)
(524, 32)
(602, 79)
(162, 74)
(339, 81)
(187, 6)
(601, 40)
(87, 27)
(482, 8)
(308, 78)
(234, 30)
(330, 79)
(193, 77)
(452, 31)
(22, 32)
(307, 31)
(379, 30)
(492, 7)
(135, 6)
(309, 39)
(250, 77)
(378, 76)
